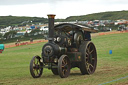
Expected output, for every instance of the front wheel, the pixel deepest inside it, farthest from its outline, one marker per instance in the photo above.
(36, 67)
(64, 66)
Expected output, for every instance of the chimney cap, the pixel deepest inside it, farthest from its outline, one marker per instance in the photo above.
(51, 15)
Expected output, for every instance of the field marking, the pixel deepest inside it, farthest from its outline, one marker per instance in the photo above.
(114, 80)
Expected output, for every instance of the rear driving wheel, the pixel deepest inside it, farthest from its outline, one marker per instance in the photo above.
(36, 67)
(64, 66)
(89, 58)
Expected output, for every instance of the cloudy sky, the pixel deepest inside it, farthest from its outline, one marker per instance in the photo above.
(62, 8)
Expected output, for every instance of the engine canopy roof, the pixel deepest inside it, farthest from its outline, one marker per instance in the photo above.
(69, 27)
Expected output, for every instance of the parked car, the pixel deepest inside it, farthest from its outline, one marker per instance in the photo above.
(44, 28)
(28, 30)
(19, 34)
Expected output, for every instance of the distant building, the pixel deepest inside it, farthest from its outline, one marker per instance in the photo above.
(121, 21)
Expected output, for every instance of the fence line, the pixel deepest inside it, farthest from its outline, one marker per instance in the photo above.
(25, 43)
(116, 32)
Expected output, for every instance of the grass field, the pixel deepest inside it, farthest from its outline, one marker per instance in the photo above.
(14, 65)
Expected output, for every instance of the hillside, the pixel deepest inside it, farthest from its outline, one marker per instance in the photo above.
(15, 20)
(112, 15)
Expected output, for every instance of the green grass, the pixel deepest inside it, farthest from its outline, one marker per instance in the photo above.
(14, 64)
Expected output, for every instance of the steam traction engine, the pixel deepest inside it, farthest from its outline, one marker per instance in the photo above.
(67, 48)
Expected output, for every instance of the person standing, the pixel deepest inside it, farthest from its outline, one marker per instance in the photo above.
(31, 40)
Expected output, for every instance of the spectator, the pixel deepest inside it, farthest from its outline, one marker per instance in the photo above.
(17, 42)
(31, 40)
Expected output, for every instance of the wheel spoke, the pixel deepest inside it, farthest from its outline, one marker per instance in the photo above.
(93, 58)
(89, 70)
(89, 47)
(63, 62)
(66, 70)
(37, 71)
(63, 72)
(37, 61)
(86, 58)
(91, 65)
(91, 51)
(88, 50)
(66, 62)
(34, 66)
(88, 67)
(63, 66)
(87, 54)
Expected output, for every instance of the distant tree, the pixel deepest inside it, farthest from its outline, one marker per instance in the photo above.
(1, 35)
(10, 34)
(26, 34)
(35, 31)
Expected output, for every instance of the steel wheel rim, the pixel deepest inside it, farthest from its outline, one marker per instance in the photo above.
(36, 67)
(64, 66)
(91, 58)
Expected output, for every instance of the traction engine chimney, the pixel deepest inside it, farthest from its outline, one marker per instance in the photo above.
(51, 26)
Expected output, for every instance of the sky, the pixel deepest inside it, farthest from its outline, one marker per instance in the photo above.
(61, 8)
